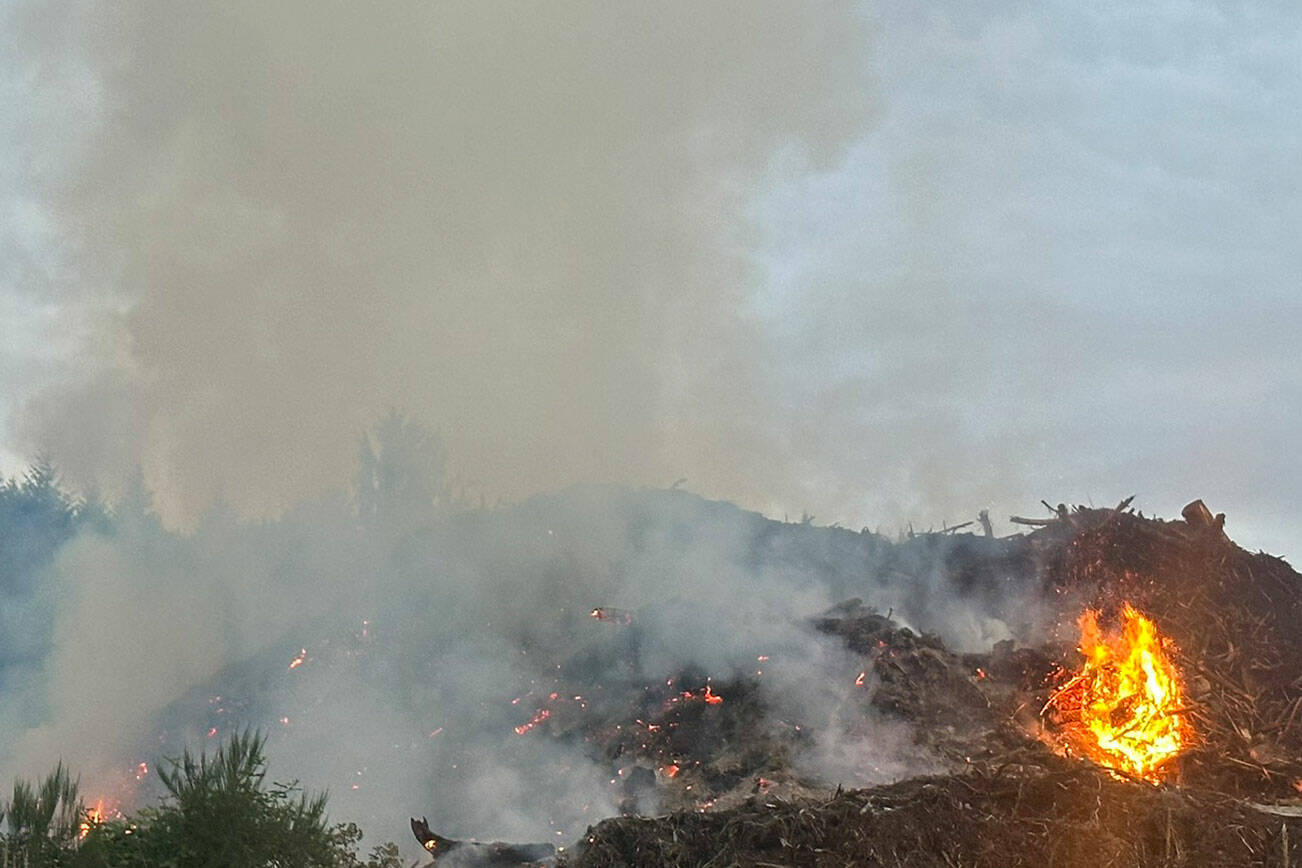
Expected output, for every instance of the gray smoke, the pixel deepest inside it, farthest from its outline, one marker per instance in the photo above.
(265, 224)
(419, 651)
(885, 263)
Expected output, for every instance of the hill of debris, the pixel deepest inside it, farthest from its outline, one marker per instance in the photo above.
(1009, 798)
(1062, 814)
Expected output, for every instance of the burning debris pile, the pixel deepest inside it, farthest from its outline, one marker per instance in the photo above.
(1234, 621)
(1177, 658)
(1158, 722)
(1125, 708)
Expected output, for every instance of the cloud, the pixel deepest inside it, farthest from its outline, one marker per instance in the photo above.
(1059, 265)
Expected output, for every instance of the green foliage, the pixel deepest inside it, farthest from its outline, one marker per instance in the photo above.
(37, 516)
(220, 812)
(42, 820)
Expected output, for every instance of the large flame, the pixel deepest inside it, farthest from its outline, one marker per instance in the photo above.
(1123, 710)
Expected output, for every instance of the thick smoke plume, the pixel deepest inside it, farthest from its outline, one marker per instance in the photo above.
(267, 223)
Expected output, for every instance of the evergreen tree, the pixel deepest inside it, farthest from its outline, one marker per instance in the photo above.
(221, 811)
(402, 474)
(36, 517)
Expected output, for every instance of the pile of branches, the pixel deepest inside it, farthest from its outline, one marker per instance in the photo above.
(682, 752)
(1010, 800)
(1065, 814)
(1235, 617)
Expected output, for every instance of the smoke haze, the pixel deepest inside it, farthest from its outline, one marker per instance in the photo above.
(420, 653)
(524, 224)
(886, 262)
(876, 261)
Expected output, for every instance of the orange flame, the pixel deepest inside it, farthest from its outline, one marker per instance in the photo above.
(96, 816)
(1123, 710)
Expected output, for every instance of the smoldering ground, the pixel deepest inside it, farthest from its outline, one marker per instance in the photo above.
(394, 665)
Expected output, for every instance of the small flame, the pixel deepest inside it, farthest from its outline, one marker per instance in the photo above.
(95, 816)
(298, 658)
(1124, 707)
(671, 770)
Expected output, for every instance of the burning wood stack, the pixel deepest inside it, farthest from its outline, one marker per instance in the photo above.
(1162, 725)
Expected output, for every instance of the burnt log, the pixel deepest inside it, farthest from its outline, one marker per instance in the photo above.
(451, 853)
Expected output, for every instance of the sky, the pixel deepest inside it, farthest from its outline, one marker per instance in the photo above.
(882, 263)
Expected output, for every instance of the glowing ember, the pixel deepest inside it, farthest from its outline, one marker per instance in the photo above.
(671, 770)
(298, 658)
(708, 696)
(541, 715)
(1123, 709)
(863, 676)
(611, 616)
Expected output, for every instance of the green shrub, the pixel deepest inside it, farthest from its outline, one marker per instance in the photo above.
(219, 812)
